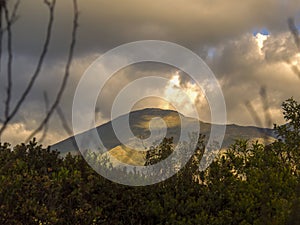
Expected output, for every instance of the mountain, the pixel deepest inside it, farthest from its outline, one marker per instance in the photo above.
(139, 122)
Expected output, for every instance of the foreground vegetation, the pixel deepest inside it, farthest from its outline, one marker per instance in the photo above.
(248, 184)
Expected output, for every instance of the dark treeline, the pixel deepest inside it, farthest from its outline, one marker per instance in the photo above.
(249, 184)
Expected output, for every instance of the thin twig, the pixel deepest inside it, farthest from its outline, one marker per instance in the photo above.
(9, 62)
(66, 75)
(253, 114)
(63, 120)
(294, 31)
(2, 2)
(266, 107)
(264, 99)
(296, 70)
(46, 100)
(13, 18)
(38, 67)
(14, 15)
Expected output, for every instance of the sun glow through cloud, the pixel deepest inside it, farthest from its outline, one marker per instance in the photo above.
(174, 92)
(296, 60)
(260, 39)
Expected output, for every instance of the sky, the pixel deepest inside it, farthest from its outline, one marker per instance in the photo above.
(247, 45)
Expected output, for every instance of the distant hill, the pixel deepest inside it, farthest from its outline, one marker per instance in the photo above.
(139, 124)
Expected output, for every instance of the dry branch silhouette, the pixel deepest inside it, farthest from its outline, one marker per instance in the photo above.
(294, 31)
(45, 130)
(6, 29)
(266, 109)
(36, 73)
(263, 93)
(66, 75)
(63, 120)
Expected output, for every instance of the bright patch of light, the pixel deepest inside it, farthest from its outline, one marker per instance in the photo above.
(260, 39)
(174, 92)
(296, 60)
(175, 80)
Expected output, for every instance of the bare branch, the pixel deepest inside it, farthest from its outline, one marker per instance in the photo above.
(46, 100)
(37, 70)
(49, 3)
(296, 70)
(63, 120)
(9, 62)
(66, 75)
(14, 15)
(266, 107)
(1, 31)
(294, 31)
(13, 18)
(264, 99)
(253, 114)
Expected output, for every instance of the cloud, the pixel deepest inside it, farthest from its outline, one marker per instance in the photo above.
(242, 72)
(106, 24)
(219, 31)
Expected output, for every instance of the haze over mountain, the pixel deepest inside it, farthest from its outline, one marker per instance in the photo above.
(139, 123)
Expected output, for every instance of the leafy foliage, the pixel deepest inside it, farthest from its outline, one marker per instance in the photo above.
(249, 183)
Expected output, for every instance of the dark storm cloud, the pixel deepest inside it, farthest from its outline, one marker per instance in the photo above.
(243, 71)
(199, 25)
(106, 24)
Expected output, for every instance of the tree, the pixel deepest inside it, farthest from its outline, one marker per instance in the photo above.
(289, 147)
(249, 183)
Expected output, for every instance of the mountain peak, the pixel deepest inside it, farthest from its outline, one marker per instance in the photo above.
(139, 121)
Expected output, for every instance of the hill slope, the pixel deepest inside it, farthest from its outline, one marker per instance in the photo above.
(139, 122)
